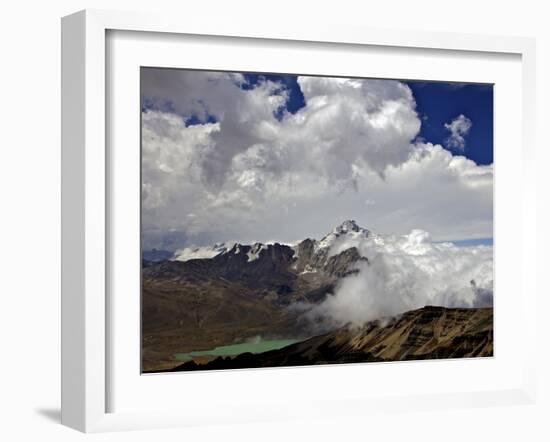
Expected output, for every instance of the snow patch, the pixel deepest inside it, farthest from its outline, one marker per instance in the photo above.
(255, 251)
(296, 254)
(206, 252)
(344, 234)
(308, 269)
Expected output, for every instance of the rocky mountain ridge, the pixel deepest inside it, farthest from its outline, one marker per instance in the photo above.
(307, 256)
(245, 289)
(230, 293)
(427, 333)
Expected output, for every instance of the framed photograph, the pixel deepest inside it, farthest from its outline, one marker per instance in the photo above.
(273, 222)
(232, 159)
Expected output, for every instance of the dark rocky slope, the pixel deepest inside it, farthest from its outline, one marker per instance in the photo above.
(426, 333)
(204, 303)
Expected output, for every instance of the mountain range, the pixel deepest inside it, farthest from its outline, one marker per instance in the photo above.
(205, 297)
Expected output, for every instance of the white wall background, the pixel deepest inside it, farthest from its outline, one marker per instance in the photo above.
(30, 216)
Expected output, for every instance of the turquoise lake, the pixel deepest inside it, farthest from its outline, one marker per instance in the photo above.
(235, 349)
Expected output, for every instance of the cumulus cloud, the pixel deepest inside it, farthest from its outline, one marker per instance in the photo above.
(404, 273)
(243, 114)
(459, 128)
(248, 170)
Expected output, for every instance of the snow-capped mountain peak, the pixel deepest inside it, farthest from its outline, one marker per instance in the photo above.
(348, 226)
(347, 232)
(204, 252)
(348, 229)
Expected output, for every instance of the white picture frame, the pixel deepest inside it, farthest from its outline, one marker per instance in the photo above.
(86, 209)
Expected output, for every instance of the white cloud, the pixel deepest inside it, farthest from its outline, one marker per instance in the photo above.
(251, 177)
(243, 114)
(404, 273)
(459, 128)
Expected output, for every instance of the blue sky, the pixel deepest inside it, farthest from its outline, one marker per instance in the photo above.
(437, 104)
